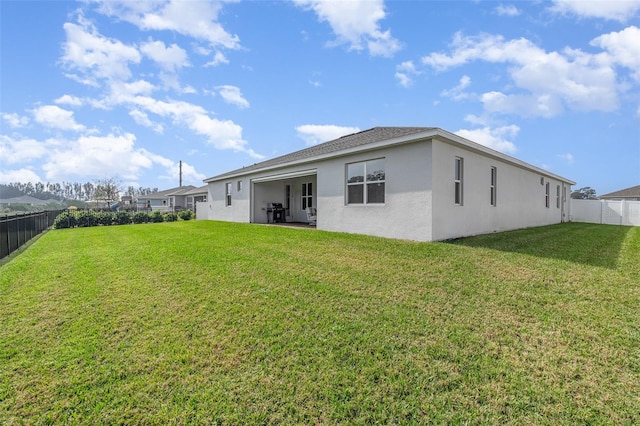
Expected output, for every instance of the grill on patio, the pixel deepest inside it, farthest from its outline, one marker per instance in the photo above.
(277, 212)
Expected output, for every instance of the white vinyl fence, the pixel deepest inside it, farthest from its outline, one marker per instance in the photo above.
(202, 210)
(606, 212)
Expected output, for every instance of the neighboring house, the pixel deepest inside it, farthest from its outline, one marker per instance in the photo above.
(169, 200)
(629, 194)
(416, 183)
(196, 195)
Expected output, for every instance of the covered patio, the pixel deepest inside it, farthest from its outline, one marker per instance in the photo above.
(283, 199)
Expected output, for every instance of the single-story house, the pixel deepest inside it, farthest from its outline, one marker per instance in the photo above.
(416, 183)
(196, 195)
(628, 194)
(169, 200)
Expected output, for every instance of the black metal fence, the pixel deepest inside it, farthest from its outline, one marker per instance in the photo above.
(15, 230)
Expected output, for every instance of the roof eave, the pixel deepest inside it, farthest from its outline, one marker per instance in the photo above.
(415, 137)
(474, 146)
(429, 133)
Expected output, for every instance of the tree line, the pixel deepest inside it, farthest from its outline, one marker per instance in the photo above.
(72, 191)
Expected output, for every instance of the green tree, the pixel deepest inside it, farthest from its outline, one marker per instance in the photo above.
(585, 193)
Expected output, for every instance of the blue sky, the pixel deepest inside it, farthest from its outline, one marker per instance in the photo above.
(127, 89)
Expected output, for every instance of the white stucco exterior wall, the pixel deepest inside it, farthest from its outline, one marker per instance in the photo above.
(520, 195)
(406, 213)
(238, 211)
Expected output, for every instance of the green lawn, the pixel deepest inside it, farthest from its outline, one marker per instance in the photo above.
(217, 323)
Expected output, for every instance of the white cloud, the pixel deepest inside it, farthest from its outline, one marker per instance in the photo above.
(19, 175)
(55, 117)
(121, 92)
(548, 81)
(405, 73)
(568, 157)
(69, 100)
(233, 95)
(95, 56)
(142, 119)
(197, 19)
(189, 173)
(170, 58)
(619, 10)
(542, 105)
(507, 10)
(221, 134)
(86, 157)
(313, 134)
(498, 138)
(14, 151)
(218, 58)
(171, 81)
(97, 156)
(623, 48)
(355, 22)
(458, 93)
(14, 120)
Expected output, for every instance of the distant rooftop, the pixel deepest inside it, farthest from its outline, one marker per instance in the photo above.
(633, 192)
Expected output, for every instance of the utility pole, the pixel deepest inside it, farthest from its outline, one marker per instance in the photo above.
(180, 173)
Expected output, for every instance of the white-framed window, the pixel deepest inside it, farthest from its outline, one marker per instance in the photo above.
(558, 196)
(307, 195)
(228, 187)
(239, 185)
(546, 195)
(366, 182)
(458, 180)
(494, 186)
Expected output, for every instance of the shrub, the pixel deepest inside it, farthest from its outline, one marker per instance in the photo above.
(105, 218)
(122, 218)
(86, 218)
(65, 220)
(170, 217)
(156, 216)
(185, 215)
(140, 217)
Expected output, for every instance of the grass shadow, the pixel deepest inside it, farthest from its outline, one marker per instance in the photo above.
(584, 243)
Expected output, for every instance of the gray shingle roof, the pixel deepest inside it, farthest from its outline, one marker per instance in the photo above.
(199, 190)
(633, 192)
(376, 134)
(179, 190)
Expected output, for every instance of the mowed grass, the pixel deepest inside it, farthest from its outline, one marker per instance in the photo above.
(218, 323)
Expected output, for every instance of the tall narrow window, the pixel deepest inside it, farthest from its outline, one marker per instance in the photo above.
(558, 196)
(228, 194)
(546, 195)
(458, 181)
(239, 185)
(494, 186)
(307, 195)
(366, 182)
(287, 199)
